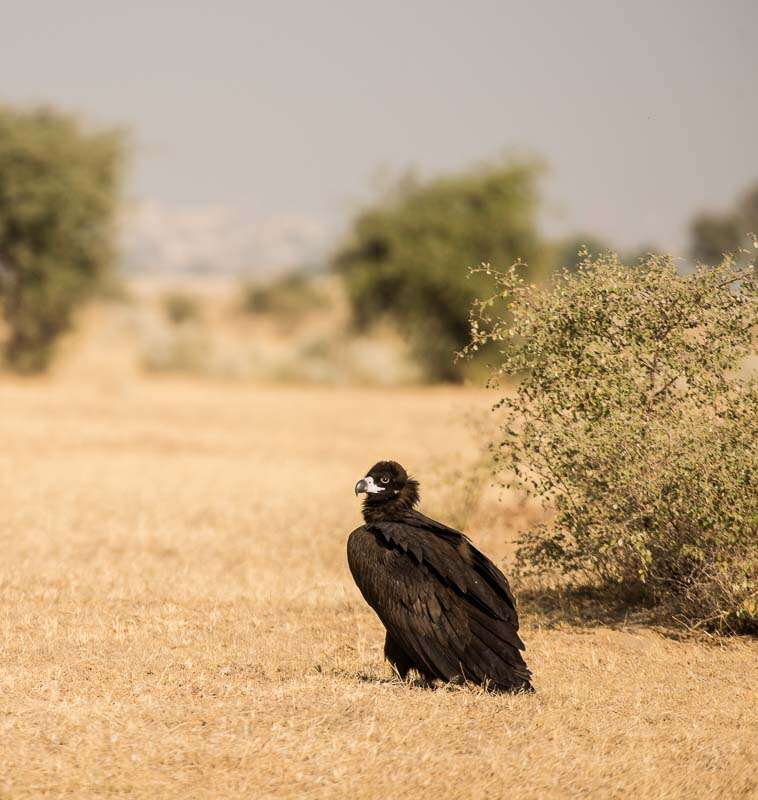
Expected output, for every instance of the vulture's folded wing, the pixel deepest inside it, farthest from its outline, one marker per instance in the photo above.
(456, 561)
(434, 603)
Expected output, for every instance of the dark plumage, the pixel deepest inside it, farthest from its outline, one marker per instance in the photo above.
(448, 610)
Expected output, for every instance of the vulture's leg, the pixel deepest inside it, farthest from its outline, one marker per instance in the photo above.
(395, 654)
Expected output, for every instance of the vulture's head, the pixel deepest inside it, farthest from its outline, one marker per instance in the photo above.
(388, 481)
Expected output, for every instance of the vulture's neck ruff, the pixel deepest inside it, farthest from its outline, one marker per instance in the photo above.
(377, 507)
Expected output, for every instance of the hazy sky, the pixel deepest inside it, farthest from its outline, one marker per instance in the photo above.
(645, 111)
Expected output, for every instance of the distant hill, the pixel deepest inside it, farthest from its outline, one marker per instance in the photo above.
(217, 241)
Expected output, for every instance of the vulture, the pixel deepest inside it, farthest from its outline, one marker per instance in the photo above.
(448, 610)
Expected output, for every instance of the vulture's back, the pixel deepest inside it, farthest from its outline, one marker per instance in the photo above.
(446, 605)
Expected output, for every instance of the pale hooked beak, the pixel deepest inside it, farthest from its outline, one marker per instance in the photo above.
(367, 486)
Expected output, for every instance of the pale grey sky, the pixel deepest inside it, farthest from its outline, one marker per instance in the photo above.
(645, 111)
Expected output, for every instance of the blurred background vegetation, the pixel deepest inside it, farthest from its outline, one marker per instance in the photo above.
(713, 234)
(59, 193)
(387, 305)
(406, 258)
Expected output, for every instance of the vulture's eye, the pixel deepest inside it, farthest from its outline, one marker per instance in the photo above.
(385, 479)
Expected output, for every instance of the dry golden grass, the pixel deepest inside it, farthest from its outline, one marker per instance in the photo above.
(178, 619)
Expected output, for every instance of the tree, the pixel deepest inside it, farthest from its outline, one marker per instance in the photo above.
(570, 252)
(713, 235)
(58, 196)
(635, 425)
(407, 258)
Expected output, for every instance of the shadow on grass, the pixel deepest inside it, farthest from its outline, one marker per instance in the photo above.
(455, 685)
(392, 680)
(591, 607)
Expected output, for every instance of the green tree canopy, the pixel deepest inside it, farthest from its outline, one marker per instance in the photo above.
(570, 252)
(407, 258)
(58, 195)
(713, 235)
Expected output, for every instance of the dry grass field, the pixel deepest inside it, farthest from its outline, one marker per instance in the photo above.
(177, 618)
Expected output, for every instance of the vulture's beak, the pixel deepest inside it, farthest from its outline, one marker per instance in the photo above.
(367, 486)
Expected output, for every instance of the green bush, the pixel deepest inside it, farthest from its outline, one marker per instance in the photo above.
(406, 258)
(634, 425)
(58, 196)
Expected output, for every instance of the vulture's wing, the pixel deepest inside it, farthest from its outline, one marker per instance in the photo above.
(503, 604)
(445, 603)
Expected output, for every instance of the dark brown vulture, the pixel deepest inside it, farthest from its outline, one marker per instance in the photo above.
(448, 610)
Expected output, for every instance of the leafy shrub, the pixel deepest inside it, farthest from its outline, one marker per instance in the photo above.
(405, 257)
(58, 195)
(633, 424)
